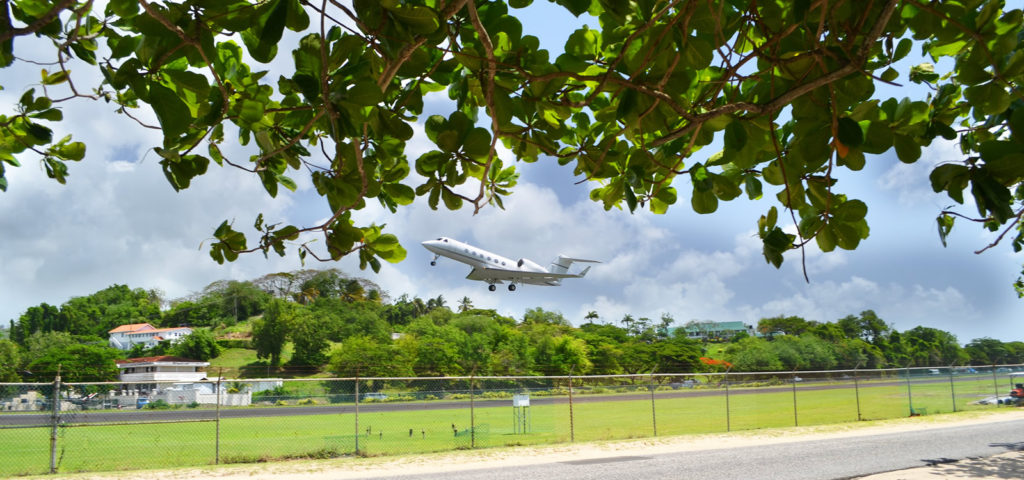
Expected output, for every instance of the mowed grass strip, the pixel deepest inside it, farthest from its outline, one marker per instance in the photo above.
(415, 430)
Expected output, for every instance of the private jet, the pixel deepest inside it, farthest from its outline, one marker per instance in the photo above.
(496, 269)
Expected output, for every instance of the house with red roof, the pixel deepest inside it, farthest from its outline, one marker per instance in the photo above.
(125, 336)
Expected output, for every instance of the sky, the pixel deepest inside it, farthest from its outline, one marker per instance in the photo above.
(118, 221)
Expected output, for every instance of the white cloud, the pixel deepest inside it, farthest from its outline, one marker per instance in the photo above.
(911, 182)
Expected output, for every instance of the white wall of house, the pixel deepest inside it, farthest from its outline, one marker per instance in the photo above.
(147, 337)
(163, 376)
(166, 370)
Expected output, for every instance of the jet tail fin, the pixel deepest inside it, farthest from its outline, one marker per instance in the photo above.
(584, 272)
(562, 264)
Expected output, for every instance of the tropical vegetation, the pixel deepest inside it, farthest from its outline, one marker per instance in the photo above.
(323, 322)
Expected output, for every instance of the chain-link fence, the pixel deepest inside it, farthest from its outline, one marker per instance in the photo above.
(118, 426)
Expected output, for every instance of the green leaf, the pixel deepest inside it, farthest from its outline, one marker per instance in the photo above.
(73, 151)
(55, 78)
(190, 80)
(753, 187)
(575, 7)
(945, 224)
(902, 49)
(172, 113)
(890, 74)
(478, 142)
(851, 211)
(735, 136)
(627, 103)
(401, 194)
(704, 202)
(776, 242)
(907, 149)
(850, 133)
(451, 200)
(826, 239)
(448, 141)
(123, 8)
(365, 93)
(923, 73)
(52, 114)
(990, 98)
(420, 20)
(952, 178)
(271, 31)
(287, 182)
(773, 174)
(40, 134)
(725, 188)
(847, 237)
(584, 44)
(251, 112)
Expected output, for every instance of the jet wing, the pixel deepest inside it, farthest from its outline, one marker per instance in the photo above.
(497, 274)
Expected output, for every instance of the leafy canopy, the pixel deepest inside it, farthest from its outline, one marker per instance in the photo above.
(786, 86)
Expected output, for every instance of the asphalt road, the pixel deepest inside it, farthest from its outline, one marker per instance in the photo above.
(23, 420)
(818, 460)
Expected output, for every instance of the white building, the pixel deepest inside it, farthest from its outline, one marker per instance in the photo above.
(123, 337)
(180, 381)
(162, 369)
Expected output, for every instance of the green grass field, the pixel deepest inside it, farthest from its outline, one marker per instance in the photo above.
(120, 447)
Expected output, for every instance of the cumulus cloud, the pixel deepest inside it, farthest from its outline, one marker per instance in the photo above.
(910, 182)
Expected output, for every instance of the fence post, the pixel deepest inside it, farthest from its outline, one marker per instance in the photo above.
(995, 384)
(952, 389)
(572, 426)
(357, 411)
(910, 395)
(796, 421)
(472, 413)
(54, 420)
(856, 389)
(216, 443)
(728, 420)
(654, 416)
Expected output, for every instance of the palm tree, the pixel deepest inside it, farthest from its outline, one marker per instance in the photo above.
(465, 305)
(438, 302)
(591, 316)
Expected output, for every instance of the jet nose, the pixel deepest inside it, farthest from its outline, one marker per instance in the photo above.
(431, 245)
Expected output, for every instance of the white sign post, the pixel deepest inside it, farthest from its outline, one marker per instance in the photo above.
(521, 413)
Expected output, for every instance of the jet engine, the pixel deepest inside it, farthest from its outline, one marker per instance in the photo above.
(529, 265)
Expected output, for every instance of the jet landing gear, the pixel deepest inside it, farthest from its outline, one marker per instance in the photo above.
(511, 287)
(433, 262)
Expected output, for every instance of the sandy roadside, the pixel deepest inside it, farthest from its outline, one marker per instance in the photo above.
(382, 467)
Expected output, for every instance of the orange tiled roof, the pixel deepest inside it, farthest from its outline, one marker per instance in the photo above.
(132, 327)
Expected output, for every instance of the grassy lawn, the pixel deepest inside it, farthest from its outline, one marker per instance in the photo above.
(118, 447)
(242, 363)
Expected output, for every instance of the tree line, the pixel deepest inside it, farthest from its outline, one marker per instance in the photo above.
(348, 326)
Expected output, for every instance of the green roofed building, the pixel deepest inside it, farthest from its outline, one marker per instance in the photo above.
(716, 331)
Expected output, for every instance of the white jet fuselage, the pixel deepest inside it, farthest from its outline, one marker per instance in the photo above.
(494, 269)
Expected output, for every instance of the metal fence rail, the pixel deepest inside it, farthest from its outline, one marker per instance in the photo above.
(72, 427)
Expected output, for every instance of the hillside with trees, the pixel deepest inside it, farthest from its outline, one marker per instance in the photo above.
(324, 322)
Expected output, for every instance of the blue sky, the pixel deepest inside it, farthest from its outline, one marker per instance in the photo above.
(118, 221)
